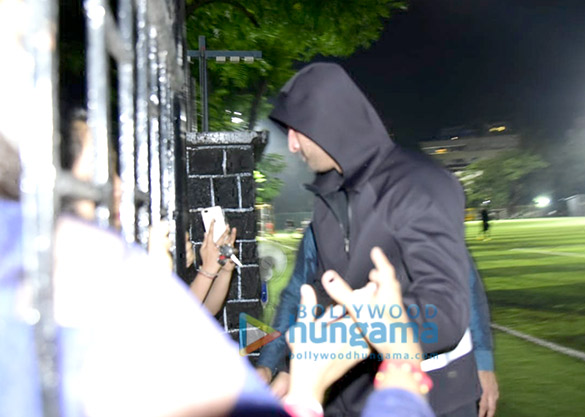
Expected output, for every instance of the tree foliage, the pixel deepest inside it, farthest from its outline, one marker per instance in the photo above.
(268, 185)
(286, 31)
(507, 179)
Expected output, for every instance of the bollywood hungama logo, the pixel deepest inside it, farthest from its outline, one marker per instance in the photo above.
(371, 321)
(254, 334)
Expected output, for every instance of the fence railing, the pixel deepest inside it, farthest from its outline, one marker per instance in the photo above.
(146, 41)
(147, 45)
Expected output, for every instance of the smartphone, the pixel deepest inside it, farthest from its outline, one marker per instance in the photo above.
(214, 213)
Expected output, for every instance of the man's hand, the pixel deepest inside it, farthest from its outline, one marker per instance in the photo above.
(315, 365)
(382, 289)
(490, 393)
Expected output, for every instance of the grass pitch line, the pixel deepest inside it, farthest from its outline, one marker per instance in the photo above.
(548, 252)
(276, 242)
(540, 342)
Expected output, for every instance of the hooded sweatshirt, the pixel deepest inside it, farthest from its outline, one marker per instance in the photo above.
(400, 201)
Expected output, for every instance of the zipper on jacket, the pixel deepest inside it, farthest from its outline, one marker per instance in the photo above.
(343, 229)
(348, 224)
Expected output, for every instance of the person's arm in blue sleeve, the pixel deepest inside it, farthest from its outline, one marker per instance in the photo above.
(273, 354)
(480, 322)
(482, 344)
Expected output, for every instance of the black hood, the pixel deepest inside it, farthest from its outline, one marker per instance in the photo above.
(322, 102)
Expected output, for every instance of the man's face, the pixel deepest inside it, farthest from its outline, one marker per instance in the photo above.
(314, 156)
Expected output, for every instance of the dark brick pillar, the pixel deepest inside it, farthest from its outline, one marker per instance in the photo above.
(220, 167)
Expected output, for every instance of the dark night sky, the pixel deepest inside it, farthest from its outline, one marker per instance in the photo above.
(450, 62)
(445, 63)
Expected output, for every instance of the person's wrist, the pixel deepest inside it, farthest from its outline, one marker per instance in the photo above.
(208, 271)
(229, 267)
(405, 382)
(403, 374)
(211, 267)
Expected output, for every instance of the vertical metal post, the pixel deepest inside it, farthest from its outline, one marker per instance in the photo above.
(154, 134)
(203, 85)
(181, 112)
(126, 110)
(167, 137)
(193, 102)
(98, 95)
(38, 148)
(142, 176)
(180, 187)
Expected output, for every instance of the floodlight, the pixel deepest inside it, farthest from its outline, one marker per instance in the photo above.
(542, 201)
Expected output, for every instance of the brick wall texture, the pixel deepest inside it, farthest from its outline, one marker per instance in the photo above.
(220, 172)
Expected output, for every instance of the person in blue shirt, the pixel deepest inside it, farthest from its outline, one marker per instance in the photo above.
(272, 365)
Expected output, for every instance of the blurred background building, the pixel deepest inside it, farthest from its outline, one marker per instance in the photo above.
(457, 147)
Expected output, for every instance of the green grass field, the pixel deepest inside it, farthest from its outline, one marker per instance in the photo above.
(534, 274)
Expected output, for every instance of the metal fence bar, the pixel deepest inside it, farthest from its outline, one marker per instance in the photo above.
(98, 95)
(179, 153)
(115, 41)
(142, 162)
(126, 118)
(181, 113)
(159, 17)
(154, 133)
(38, 148)
(168, 197)
(203, 85)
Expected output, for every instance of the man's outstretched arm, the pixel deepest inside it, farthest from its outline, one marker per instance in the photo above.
(483, 344)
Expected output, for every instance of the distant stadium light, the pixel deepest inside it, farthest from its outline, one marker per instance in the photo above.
(498, 129)
(542, 201)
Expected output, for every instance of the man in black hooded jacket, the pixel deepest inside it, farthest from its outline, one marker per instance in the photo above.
(370, 192)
